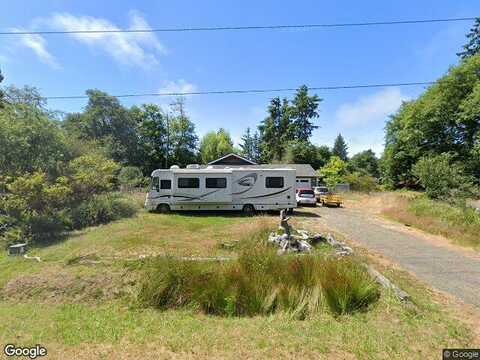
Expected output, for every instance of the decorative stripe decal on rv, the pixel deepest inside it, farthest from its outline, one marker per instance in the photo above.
(158, 197)
(186, 198)
(268, 195)
(248, 180)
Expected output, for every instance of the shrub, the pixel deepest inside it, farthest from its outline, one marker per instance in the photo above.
(442, 178)
(361, 182)
(35, 206)
(258, 282)
(101, 209)
(91, 174)
(130, 177)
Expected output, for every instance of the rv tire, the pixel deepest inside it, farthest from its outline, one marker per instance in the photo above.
(248, 210)
(163, 208)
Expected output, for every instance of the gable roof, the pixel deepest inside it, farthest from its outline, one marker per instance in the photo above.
(235, 157)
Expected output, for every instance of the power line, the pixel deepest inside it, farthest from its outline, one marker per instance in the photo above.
(236, 28)
(249, 91)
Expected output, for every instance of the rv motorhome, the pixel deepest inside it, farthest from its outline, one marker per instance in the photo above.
(244, 189)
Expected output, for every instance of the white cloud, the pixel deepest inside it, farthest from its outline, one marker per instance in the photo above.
(127, 48)
(178, 86)
(39, 46)
(370, 109)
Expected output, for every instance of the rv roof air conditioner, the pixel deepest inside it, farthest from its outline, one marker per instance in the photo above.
(173, 167)
(193, 166)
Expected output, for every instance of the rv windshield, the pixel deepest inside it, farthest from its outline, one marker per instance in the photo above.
(154, 183)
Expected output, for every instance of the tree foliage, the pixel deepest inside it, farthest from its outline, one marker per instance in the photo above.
(182, 139)
(365, 162)
(286, 122)
(340, 148)
(334, 171)
(303, 152)
(442, 178)
(214, 145)
(472, 47)
(250, 146)
(30, 142)
(303, 111)
(445, 119)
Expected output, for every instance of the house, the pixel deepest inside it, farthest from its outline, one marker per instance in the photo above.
(306, 176)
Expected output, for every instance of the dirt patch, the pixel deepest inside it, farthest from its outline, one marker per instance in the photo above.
(61, 286)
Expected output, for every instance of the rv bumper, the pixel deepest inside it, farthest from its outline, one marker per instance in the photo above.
(149, 205)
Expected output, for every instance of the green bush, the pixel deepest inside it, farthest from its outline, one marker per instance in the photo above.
(258, 282)
(101, 209)
(130, 177)
(442, 178)
(361, 182)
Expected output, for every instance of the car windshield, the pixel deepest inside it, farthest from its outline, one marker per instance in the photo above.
(306, 193)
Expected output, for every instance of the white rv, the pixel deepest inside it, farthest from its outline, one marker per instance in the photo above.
(244, 189)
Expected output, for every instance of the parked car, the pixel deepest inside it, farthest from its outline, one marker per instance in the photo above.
(319, 191)
(306, 197)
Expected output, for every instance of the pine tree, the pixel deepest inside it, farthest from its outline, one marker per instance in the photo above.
(303, 111)
(1, 92)
(247, 144)
(472, 47)
(340, 148)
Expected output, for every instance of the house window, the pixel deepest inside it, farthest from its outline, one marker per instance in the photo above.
(188, 183)
(165, 184)
(274, 182)
(215, 183)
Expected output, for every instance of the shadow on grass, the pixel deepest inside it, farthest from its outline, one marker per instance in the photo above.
(54, 239)
(239, 214)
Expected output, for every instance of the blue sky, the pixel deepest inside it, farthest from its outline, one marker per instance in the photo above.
(68, 65)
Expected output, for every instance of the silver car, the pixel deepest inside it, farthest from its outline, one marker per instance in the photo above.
(306, 197)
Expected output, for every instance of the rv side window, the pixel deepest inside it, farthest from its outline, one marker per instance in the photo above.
(165, 184)
(154, 183)
(188, 183)
(215, 183)
(274, 182)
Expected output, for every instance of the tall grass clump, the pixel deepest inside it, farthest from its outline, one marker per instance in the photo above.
(347, 286)
(259, 282)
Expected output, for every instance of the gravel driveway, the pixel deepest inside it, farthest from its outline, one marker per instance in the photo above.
(444, 268)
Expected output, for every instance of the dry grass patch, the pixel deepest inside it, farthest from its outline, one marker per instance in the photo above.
(459, 224)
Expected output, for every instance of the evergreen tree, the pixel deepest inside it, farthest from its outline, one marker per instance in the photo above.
(1, 92)
(275, 130)
(472, 47)
(340, 148)
(303, 111)
(247, 144)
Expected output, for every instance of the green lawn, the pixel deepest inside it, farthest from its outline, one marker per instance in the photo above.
(88, 310)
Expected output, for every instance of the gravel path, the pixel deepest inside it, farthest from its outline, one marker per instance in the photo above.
(444, 268)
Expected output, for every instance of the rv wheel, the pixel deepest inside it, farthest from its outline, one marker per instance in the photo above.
(248, 210)
(163, 208)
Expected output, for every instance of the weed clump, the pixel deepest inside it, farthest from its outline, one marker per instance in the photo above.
(259, 282)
